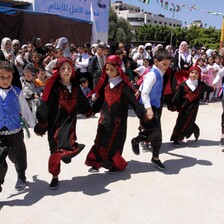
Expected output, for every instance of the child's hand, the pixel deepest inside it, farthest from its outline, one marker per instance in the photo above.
(149, 113)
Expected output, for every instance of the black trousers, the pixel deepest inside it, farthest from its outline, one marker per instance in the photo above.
(150, 131)
(14, 147)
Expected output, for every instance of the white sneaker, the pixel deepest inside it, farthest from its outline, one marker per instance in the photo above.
(145, 147)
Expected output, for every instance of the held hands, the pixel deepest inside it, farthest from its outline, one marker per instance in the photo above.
(40, 129)
(149, 113)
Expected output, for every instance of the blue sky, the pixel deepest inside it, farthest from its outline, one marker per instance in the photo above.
(185, 15)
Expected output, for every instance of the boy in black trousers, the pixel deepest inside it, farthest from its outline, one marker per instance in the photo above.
(12, 105)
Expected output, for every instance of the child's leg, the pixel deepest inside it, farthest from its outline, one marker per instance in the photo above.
(17, 154)
(3, 165)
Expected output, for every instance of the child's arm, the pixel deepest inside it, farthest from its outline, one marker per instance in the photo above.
(26, 112)
(219, 75)
(147, 85)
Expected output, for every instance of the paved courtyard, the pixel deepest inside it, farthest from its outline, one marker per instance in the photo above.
(189, 191)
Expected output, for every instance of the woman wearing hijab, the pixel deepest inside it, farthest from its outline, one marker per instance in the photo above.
(63, 44)
(186, 101)
(6, 52)
(61, 101)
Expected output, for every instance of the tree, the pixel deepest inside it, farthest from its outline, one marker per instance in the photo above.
(120, 30)
(195, 36)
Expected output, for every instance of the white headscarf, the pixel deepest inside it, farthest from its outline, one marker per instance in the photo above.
(7, 51)
(66, 51)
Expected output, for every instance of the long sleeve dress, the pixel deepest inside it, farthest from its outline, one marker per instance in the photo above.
(59, 113)
(112, 126)
(187, 102)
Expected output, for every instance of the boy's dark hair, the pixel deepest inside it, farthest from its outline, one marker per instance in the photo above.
(41, 68)
(83, 80)
(29, 67)
(6, 66)
(118, 52)
(162, 54)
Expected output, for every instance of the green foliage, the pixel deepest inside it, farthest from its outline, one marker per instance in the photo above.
(120, 29)
(195, 36)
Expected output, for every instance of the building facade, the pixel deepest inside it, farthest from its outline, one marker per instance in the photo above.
(138, 18)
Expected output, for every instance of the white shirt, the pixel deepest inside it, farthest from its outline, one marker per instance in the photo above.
(219, 76)
(146, 87)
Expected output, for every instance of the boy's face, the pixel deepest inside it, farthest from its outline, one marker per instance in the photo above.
(42, 74)
(85, 84)
(28, 75)
(162, 65)
(5, 78)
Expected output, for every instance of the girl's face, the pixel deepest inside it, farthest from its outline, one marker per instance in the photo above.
(201, 63)
(65, 72)
(31, 47)
(8, 45)
(194, 75)
(111, 71)
(217, 61)
(210, 60)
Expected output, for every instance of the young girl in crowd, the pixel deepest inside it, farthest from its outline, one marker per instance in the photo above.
(186, 102)
(62, 99)
(113, 95)
(208, 78)
(217, 67)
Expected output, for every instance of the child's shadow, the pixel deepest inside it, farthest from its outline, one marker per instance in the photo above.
(173, 166)
(168, 146)
(92, 184)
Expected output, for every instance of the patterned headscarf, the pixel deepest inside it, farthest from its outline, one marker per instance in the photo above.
(195, 67)
(116, 62)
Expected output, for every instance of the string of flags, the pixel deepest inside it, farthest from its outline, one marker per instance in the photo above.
(177, 7)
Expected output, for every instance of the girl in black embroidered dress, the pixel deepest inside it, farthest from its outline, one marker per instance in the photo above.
(57, 114)
(186, 102)
(113, 95)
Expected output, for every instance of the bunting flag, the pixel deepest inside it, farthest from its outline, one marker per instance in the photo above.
(166, 5)
(177, 8)
(161, 1)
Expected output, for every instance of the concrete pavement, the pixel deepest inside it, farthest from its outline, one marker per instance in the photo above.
(189, 191)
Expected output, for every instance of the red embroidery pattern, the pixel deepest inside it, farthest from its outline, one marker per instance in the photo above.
(68, 100)
(103, 152)
(113, 95)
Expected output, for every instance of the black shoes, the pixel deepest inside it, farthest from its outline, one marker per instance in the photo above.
(158, 164)
(93, 169)
(221, 143)
(54, 184)
(196, 132)
(112, 170)
(20, 184)
(135, 147)
(176, 143)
